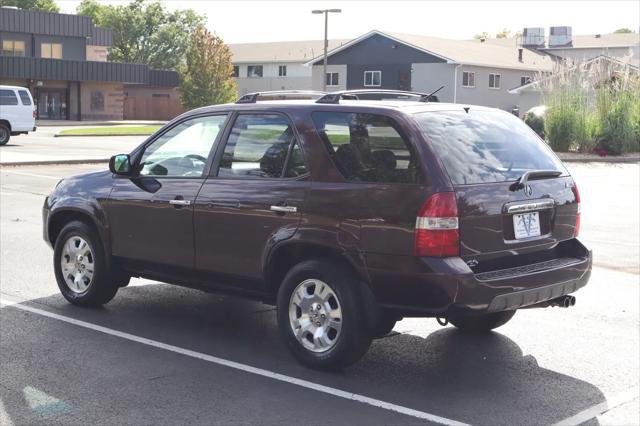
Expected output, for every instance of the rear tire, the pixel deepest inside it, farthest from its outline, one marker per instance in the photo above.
(321, 317)
(481, 323)
(5, 134)
(80, 266)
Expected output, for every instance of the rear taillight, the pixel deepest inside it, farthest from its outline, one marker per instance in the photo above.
(35, 114)
(576, 193)
(437, 227)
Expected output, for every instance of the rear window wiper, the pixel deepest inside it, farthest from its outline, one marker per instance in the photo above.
(533, 174)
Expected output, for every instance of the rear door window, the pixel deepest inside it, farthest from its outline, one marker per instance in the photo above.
(24, 97)
(8, 97)
(485, 146)
(367, 147)
(259, 146)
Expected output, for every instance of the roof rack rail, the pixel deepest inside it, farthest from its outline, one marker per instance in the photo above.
(377, 94)
(252, 98)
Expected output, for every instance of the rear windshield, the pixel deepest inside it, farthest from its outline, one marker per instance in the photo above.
(485, 146)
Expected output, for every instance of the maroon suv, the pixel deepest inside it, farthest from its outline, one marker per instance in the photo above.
(347, 214)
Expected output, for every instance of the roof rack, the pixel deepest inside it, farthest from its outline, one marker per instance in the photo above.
(252, 98)
(376, 94)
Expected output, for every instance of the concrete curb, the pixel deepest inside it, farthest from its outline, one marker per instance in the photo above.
(102, 135)
(54, 162)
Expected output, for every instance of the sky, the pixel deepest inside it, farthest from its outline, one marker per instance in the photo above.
(243, 21)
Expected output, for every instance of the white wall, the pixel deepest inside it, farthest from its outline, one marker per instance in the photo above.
(481, 94)
(428, 77)
(318, 76)
(298, 78)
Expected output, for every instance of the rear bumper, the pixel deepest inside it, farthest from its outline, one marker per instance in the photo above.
(442, 286)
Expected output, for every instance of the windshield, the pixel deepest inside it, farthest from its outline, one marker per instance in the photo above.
(485, 146)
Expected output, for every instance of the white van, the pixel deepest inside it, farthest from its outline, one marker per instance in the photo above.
(17, 112)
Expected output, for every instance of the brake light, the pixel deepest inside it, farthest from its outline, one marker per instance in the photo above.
(437, 227)
(34, 114)
(576, 193)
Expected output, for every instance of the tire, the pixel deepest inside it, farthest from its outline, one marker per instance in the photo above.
(5, 134)
(327, 286)
(384, 326)
(481, 323)
(84, 259)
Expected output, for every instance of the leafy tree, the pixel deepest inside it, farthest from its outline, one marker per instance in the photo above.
(481, 36)
(206, 75)
(505, 33)
(144, 32)
(623, 31)
(43, 5)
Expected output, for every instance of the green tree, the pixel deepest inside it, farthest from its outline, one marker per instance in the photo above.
(144, 32)
(206, 74)
(505, 33)
(43, 5)
(623, 31)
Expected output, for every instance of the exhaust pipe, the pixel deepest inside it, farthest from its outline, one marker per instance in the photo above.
(561, 302)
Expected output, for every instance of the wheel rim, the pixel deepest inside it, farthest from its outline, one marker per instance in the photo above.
(315, 315)
(77, 264)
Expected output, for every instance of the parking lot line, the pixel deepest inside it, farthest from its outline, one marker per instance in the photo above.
(599, 409)
(239, 366)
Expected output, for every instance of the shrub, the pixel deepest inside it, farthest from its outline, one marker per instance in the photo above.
(536, 122)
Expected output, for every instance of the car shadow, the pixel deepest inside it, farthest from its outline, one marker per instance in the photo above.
(479, 379)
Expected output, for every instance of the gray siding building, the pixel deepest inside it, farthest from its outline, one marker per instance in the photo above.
(62, 59)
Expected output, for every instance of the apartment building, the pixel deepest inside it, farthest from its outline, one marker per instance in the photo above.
(62, 59)
(482, 72)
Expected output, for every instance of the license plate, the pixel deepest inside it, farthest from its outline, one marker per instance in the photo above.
(526, 225)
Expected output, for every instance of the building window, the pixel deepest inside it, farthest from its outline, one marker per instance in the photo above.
(494, 81)
(468, 79)
(97, 101)
(525, 79)
(332, 79)
(373, 78)
(236, 71)
(254, 71)
(13, 48)
(51, 50)
(282, 70)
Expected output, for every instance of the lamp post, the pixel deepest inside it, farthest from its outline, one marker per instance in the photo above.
(326, 13)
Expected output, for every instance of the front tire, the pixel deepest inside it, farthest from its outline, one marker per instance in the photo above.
(80, 266)
(320, 315)
(5, 134)
(481, 323)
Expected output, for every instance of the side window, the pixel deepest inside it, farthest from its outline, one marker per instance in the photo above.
(296, 165)
(367, 147)
(182, 151)
(258, 147)
(8, 97)
(24, 97)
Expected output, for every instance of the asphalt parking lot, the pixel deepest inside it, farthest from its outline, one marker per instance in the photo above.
(159, 354)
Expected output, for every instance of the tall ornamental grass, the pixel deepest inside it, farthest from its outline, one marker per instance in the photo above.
(594, 106)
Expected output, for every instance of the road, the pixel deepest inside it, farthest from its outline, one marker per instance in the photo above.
(41, 145)
(159, 354)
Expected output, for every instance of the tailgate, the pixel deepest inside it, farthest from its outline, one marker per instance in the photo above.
(497, 222)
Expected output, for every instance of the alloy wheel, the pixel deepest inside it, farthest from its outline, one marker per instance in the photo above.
(77, 263)
(315, 315)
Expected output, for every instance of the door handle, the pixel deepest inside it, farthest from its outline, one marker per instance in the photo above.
(180, 202)
(284, 209)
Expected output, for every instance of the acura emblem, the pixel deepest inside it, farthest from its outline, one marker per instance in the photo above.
(528, 191)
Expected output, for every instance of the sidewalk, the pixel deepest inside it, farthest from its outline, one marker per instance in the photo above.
(573, 157)
(71, 123)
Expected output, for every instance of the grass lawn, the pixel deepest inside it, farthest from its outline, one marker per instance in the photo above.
(110, 130)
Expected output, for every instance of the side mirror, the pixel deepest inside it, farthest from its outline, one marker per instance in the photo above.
(120, 164)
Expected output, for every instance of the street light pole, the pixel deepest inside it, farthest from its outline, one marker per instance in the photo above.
(326, 13)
